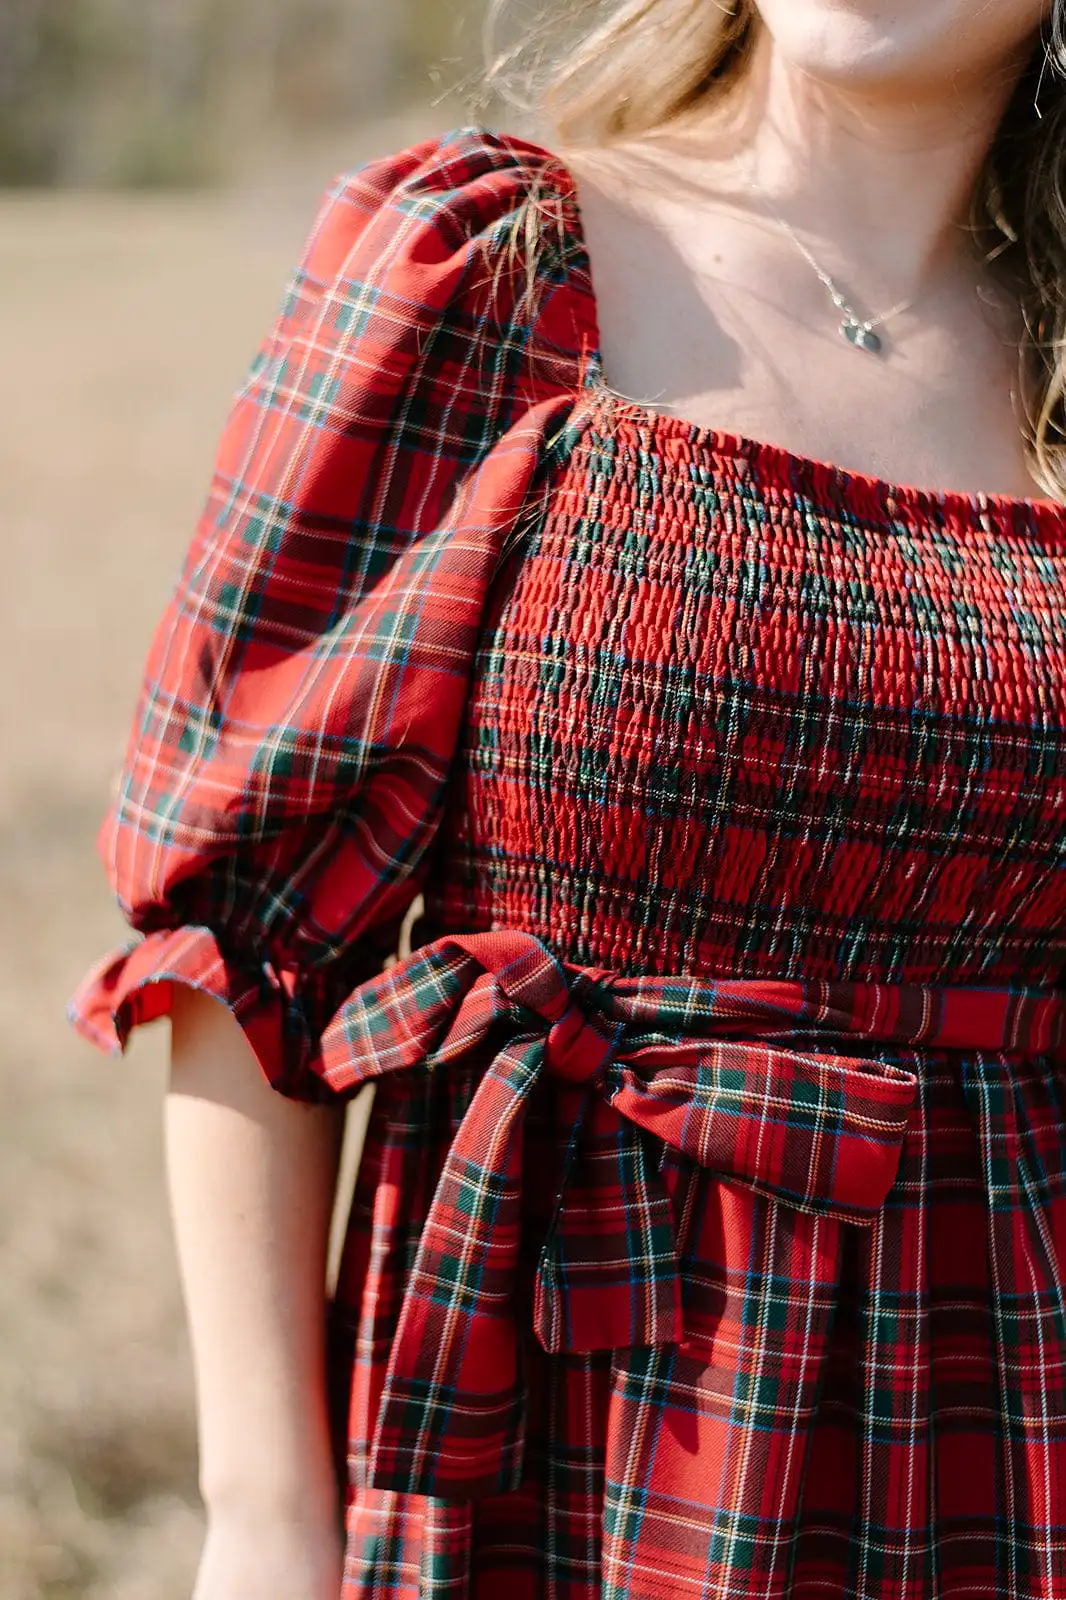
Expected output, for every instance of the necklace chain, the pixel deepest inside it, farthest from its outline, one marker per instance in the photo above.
(859, 331)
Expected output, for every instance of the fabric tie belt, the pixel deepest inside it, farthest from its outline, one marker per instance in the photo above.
(748, 1078)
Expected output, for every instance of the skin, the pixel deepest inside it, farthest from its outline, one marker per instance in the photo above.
(866, 124)
(252, 1178)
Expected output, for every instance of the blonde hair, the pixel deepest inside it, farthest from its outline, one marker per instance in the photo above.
(599, 71)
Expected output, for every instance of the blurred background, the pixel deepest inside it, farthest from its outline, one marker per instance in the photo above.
(160, 163)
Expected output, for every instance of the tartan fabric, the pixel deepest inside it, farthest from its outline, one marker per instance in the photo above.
(700, 1067)
(708, 1240)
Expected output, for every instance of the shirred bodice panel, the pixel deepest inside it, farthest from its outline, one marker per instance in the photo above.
(736, 712)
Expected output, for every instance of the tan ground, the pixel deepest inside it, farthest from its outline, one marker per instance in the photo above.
(124, 325)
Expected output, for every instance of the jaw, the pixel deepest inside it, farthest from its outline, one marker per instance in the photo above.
(907, 49)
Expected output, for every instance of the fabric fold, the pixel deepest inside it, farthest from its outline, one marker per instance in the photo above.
(135, 987)
(281, 1010)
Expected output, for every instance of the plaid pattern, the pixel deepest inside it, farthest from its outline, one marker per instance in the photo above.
(700, 1067)
(706, 1244)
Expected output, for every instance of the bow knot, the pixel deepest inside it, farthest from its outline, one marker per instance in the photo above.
(747, 1079)
(579, 1047)
(581, 1039)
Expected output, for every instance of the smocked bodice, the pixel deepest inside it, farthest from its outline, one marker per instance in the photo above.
(735, 712)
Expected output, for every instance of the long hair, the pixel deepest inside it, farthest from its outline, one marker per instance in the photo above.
(598, 71)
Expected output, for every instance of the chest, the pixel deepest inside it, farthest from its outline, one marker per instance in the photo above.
(730, 708)
(710, 319)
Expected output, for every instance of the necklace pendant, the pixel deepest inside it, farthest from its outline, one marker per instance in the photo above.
(862, 337)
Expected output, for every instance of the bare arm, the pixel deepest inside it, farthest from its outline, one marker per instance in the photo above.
(252, 1179)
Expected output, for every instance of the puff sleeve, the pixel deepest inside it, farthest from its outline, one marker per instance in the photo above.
(305, 687)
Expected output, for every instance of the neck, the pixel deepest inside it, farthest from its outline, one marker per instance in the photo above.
(883, 172)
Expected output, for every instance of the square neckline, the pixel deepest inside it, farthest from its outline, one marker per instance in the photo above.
(782, 464)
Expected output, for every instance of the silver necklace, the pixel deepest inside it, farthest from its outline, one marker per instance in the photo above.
(858, 331)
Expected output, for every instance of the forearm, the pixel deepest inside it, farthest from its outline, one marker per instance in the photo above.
(252, 1179)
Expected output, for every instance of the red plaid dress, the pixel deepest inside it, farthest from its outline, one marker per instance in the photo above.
(709, 1241)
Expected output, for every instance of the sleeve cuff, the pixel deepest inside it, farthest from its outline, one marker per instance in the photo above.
(130, 988)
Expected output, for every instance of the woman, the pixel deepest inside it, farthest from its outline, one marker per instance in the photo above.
(709, 1234)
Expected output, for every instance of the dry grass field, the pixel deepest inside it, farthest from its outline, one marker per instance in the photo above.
(125, 323)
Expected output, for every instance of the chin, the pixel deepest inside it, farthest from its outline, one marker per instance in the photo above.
(877, 47)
